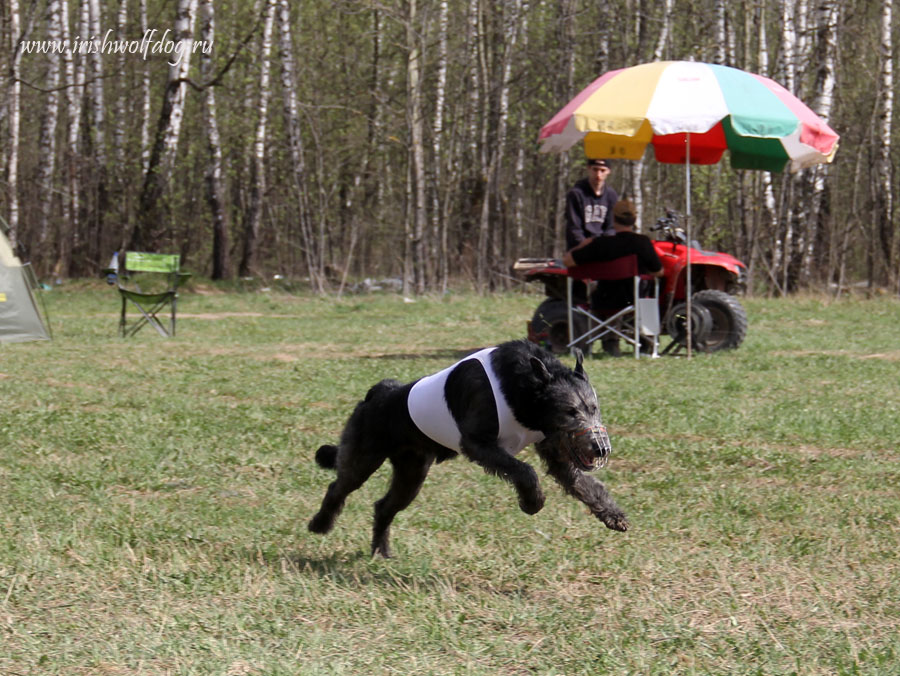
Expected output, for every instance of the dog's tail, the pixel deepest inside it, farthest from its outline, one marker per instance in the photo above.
(326, 456)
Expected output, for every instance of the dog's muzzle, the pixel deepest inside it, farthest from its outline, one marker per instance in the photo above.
(587, 448)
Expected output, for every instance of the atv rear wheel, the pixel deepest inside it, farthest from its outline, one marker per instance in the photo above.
(550, 326)
(729, 320)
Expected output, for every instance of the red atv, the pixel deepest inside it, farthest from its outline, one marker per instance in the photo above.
(718, 320)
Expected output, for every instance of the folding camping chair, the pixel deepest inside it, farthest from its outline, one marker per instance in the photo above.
(640, 317)
(161, 277)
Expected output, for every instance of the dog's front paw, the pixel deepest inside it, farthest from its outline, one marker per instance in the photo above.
(531, 503)
(320, 523)
(614, 521)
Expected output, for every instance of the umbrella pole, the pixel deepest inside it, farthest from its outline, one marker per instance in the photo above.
(687, 289)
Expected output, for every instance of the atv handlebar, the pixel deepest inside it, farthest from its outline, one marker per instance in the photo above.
(671, 228)
(667, 222)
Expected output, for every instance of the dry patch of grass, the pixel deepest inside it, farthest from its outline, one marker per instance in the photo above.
(891, 356)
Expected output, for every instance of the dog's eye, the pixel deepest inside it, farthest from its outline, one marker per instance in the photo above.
(573, 412)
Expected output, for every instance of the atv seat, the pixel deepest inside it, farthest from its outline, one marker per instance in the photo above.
(639, 318)
(160, 276)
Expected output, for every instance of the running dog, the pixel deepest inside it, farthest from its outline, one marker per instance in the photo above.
(489, 406)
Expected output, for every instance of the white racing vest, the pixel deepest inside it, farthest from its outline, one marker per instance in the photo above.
(430, 413)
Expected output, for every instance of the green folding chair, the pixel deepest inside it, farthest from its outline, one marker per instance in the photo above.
(160, 276)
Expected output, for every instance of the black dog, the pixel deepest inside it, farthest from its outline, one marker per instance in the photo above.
(488, 406)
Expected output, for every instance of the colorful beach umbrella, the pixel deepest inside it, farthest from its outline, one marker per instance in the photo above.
(691, 113)
(760, 123)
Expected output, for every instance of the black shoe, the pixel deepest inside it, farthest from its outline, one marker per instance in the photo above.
(611, 347)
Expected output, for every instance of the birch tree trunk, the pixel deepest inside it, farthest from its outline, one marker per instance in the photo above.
(417, 148)
(13, 103)
(514, 26)
(121, 202)
(482, 255)
(769, 212)
(662, 41)
(408, 270)
(151, 223)
(98, 116)
(788, 44)
(637, 168)
(120, 118)
(601, 55)
(725, 48)
(378, 170)
(884, 212)
(567, 37)
(97, 129)
(784, 244)
(721, 55)
(801, 201)
(473, 40)
(312, 257)
(826, 49)
(804, 47)
(178, 73)
(438, 223)
(253, 215)
(521, 134)
(474, 170)
(74, 94)
(491, 237)
(213, 177)
(145, 94)
(47, 141)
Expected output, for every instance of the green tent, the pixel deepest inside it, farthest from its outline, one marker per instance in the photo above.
(20, 319)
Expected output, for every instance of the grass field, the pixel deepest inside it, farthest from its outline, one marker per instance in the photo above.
(156, 493)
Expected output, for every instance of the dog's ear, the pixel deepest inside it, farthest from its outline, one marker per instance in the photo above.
(540, 370)
(579, 360)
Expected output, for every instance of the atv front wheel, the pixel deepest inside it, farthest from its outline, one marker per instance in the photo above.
(701, 325)
(729, 320)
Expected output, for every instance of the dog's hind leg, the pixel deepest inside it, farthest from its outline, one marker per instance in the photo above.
(409, 474)
(353, 472)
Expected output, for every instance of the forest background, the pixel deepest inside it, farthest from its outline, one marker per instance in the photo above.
(337, 140)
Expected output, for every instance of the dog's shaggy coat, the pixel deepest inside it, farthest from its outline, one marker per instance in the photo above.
(544, 396)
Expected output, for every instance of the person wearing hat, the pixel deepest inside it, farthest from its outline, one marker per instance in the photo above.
(589, 205)
(610, 296)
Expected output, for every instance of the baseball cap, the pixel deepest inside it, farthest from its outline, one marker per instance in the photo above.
(592, 162)
(624, 212)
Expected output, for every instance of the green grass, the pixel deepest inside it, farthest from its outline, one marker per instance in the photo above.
(156, 493)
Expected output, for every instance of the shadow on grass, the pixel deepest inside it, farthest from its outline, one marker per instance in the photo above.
(443, 353)
(360, 569)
